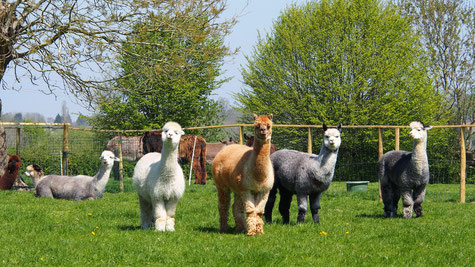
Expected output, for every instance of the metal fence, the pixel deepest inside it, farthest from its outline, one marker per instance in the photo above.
(58, 148)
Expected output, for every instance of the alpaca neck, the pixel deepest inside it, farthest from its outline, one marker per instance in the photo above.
(260, 158)
(419, 152)
(327, 158)
(102, 177)
(169, 155)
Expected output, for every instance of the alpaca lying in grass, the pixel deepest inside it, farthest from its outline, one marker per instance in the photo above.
(35, 173)
(404, 174)
(159, 181)
(80, 187)
(248, 173)
(11, 172)
(303, 174)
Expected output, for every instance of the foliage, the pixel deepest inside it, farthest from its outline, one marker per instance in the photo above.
(352, 232)
(351, 61)
(447, 28)
(168, 76)
(78, 41)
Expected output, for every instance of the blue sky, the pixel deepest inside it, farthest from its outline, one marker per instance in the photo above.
(256, 16)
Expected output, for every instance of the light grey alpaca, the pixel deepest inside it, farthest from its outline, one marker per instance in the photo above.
(405, 174)
(303, 174)
(81, 187)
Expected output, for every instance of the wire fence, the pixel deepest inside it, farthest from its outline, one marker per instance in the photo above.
(57, 148)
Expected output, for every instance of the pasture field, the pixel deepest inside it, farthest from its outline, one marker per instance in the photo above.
(352, 232)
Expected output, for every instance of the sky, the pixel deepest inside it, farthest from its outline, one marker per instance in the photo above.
(256, 16)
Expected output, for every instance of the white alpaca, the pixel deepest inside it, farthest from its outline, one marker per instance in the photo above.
(35, 173)
(159, 181)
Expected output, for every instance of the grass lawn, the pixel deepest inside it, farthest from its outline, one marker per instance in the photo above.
(352, 232)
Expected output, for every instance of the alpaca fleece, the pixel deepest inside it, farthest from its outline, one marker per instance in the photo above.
(404, 174)
(248, 173)
(303, 174)
(11, 172)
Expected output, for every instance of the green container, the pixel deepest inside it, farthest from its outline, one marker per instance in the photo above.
(357, 186)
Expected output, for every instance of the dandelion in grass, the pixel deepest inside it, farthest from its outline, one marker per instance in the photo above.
(89, 214)
(93, 233)
(347, 232)
(323, 233)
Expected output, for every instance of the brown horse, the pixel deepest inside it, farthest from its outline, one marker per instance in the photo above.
(152, 142)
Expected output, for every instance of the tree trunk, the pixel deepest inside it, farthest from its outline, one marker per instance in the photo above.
(3, 145)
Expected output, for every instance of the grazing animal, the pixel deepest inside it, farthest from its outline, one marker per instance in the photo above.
(132, 148)
(303, 174)
(35, 173)
(11, 172)
(212, 149)
(152, 142)
(250, 142)
(248, 173)
(404, 174)
(80, 187)
(159, 181)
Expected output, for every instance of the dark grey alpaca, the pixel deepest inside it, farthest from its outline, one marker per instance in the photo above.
(405, 174)
(303, 174)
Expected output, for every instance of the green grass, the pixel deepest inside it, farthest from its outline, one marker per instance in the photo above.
(106, 232)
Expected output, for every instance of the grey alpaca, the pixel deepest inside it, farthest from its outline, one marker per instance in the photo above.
(80, 187)
(404, 174)
(303, 174)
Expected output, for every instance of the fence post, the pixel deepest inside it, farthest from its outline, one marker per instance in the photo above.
(121, 165)
(309, 141)
(396, 141)
(380, 153)
(463, 163)
(65, 147)
(241, 129)
(17, 141)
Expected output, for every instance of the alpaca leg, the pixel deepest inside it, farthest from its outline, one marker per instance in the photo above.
(315, 206)
(251, 211)
(160, 215)
(284, 205)
(387, 193)
(270, 204)
(146, 213)
(261, 200)
(224, 200)
(302, 205)
(204, 174)
(170, 207)
(251, 224)
(196, 170)
(239, 212)
(418, 196)
(408, 204)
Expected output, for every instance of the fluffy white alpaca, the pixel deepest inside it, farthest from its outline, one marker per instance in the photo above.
(159, 181)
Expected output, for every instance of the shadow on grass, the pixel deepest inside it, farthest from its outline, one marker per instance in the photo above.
(373, 216)
(230, 231)
(129, 227)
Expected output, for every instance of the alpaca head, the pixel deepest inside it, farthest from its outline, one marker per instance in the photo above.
(107, 158)
(34, 172)
(419, 131)
(331, 137)
(13, 164)
(262, 128)
(171, 134)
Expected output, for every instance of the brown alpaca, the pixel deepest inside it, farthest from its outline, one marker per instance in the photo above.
(249, 174)
(11, 172)
(250, 142)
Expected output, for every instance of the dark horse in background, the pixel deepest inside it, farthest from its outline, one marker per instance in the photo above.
(152, 142)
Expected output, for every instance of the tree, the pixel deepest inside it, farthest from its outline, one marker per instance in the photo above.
(447, 28)
(78, 41)
(167, 75)
(66, 118)
(350, 61)
(18, 117)
(3, 145)
(58, 119)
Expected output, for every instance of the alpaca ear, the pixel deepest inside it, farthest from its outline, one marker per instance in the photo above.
(427, 127)
(255, 116)
(339, 126)
(270, 116)
(324, 127)
(36, 168)
(181, 132)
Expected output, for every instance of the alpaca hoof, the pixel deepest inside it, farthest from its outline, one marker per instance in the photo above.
(418, 211)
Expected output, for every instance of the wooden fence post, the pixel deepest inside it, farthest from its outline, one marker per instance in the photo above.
(309, 141)
(396, 141)
(65, 147)
(241, 129)
(18, 131)
(380, 153)
(463, 163)
(121, 165)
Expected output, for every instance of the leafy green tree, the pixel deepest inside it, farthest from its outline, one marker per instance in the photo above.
(350, 61)
(165, 75)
